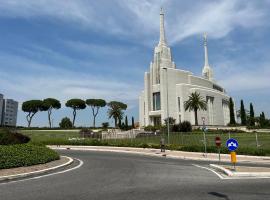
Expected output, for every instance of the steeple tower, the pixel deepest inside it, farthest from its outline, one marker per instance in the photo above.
(207, 72)
(162, 39)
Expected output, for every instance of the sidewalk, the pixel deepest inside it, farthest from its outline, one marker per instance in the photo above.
(243, 171)
(170, 154)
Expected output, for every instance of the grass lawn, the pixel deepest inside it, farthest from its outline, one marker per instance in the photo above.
(183, 139)
(49, 136)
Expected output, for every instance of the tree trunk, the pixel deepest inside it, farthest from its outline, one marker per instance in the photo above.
(94, 115)
(115, 122)
(74, 116)
(196, 117)
(49, 117)
(29, 118)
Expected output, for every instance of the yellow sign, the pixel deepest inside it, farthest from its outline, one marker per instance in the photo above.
(233, 157)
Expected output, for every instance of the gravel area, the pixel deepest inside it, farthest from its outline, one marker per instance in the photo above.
(21, 170)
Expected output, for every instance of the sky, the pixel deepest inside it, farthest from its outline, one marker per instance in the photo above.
(101, 49)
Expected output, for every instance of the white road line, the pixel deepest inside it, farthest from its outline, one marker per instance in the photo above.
(221, 177)
(46, 175)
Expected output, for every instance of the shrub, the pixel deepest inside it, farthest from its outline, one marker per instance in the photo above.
(65, 123)
(184, 126)
(105, 125)
(85, 132)
(8, 137)
(152, 128)
(20, 155)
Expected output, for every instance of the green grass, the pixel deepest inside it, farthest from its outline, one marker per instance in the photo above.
(50, 136)
(179, 141)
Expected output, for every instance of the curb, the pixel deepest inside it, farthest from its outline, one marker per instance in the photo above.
(264, 160)
(23, 175)
(240, 174)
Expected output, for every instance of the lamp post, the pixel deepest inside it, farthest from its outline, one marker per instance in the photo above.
(168, 121)
(204, 137)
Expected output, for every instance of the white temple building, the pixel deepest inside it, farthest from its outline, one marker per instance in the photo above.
(167, 88)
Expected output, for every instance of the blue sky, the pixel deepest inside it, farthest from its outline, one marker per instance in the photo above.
(101, 49)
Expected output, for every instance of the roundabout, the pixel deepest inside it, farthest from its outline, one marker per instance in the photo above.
(110, 175)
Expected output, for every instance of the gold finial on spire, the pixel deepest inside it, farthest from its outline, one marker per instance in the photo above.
(161, 11)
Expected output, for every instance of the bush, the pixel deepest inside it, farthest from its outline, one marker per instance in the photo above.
(85, 132)
(88, 133)
(65, 123)
(152, 128)
(105, 125)
(184, 126)
(20, 155)
(8, 137)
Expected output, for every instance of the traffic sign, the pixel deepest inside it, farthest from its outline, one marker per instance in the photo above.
(218, 141)
(232, 144)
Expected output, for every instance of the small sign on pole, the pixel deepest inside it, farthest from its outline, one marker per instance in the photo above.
(232, 145)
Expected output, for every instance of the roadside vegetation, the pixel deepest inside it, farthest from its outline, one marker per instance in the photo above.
(16, 150)
(183, 141)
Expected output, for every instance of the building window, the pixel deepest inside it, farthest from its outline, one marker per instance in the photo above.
(156, 101)
(179, 104)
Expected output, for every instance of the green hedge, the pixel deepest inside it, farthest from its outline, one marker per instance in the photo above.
(20, 155)
(7, 136)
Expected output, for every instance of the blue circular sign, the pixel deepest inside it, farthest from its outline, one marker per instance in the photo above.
(232, 144)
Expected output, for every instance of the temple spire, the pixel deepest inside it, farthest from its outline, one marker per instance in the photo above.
(162, 40)
(207, 71)
(206, 63)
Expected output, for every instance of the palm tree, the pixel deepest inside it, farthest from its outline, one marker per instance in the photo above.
(116, 110)
(115, 113)
(195, 102)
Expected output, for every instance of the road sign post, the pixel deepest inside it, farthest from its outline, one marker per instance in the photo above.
(232, 145)
(233, 158)
(218, 144)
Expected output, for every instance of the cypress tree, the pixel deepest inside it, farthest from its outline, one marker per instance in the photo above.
(231, 108)
(133, 124)
(126, 122)
(243, 115)
(120, 123)
(262, 119)
(251, 117)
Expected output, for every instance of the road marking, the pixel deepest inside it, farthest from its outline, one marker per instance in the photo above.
(209, 169)
(46, 175)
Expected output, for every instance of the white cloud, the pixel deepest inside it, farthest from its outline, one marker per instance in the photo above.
(140, 19)
(50, 81)
(239, 77)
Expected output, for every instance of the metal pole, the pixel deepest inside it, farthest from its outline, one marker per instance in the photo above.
(257, 142)
(205, 149)
(219, 154)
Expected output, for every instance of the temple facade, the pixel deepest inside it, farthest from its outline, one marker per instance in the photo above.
(167, 88)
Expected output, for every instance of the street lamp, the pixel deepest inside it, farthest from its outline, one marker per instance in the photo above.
(168, 123)
(204, 129)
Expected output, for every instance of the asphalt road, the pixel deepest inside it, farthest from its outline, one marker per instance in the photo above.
(118, 176)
